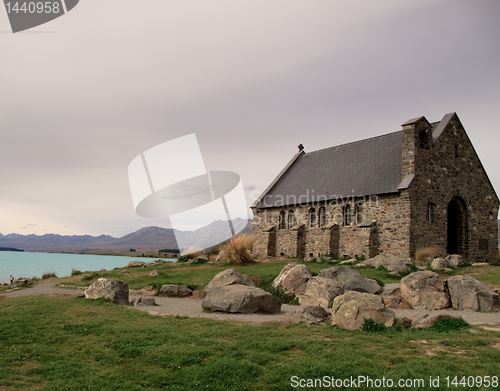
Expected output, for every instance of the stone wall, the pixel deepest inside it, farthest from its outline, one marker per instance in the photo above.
(390, 234)
(449, 169)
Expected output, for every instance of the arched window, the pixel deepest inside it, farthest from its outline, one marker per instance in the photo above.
(347, 215)
(322, 216)
(282, 224)
(312, 218)
(291, 219)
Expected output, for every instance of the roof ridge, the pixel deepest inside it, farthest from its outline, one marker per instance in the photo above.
(352, 142)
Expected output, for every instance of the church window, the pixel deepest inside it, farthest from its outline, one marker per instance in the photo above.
(347, 215)
(312, 218)
(322, 216)
(282, 224)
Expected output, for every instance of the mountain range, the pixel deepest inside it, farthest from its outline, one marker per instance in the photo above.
(148, 238)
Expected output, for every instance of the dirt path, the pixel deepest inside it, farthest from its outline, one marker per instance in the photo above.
(190, 307)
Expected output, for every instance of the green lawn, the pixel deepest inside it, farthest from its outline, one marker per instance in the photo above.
(61, 343)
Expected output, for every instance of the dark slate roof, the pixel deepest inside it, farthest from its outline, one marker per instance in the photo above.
(361, 168)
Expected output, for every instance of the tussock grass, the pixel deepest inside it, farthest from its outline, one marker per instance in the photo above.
(237, 251)
(424, 256)
(48, 275)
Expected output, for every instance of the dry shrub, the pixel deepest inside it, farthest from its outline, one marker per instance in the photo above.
(425, 255)
(237, 251)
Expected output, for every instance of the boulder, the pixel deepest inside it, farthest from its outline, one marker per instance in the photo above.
(175, 291)
(154, 273)
(351, 309)
(309, 315)
(425, 290)
(349, 261)
(229, 277)
(455, 260)
(135, 263)
(391, 263)
(115, 290)
(320, 291)
(143, 301)
(467, 293)
(440, 264)
(241, 298)
(292, 278)
(20, 282)
(350, 280)
(426, 320)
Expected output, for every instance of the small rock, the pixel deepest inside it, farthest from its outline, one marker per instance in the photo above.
(349, 261)
(154, 273)
(474, 331)
(20, 282)
(175, 291)
(480, 264)
(143, 301)
(426, 320)
(391, 301)
(309, 315)
(439, 264)
(455, 260)
(391, 263)
(135, 263)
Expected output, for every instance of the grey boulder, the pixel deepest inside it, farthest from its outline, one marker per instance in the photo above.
(425, 290)
(115, 290)
(229, 277)
(292, 278)
(391, 263)
(174, 291)
(467, 293)
(320, 291)
(241, 299)
(350, 280)
(352, 309)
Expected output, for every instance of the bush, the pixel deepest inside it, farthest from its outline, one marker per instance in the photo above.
(92, 276)
(75, 272)
(449, 324)
(183, 258)
(48, 275)
(237, 251)
(425, 255)
(372, 327)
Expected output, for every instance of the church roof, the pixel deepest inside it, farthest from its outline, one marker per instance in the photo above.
(361, 168)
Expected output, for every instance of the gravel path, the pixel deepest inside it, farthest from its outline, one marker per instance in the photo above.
(191, 307)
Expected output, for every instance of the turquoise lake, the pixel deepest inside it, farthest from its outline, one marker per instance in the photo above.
(31, 264)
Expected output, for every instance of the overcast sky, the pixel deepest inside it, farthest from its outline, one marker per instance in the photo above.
(83, 95)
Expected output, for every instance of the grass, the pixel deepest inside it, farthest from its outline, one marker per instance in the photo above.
(60, 343)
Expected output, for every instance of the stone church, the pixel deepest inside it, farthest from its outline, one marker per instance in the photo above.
(393, 194)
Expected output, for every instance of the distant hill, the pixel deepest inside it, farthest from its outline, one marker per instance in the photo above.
(148, 238)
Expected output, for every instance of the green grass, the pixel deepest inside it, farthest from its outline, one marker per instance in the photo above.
(61, 343)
